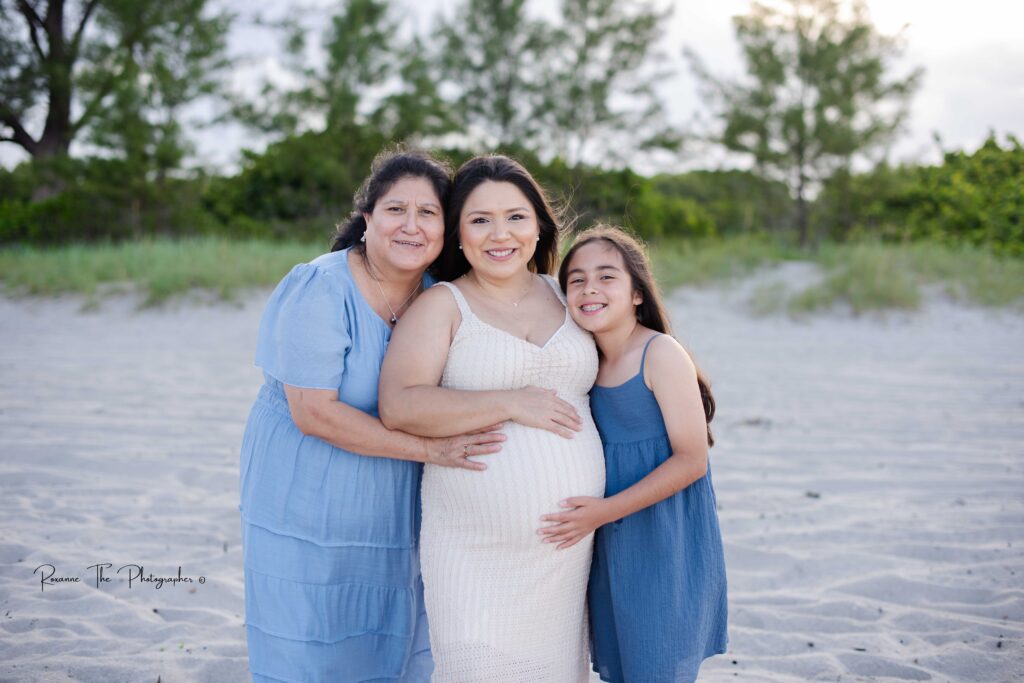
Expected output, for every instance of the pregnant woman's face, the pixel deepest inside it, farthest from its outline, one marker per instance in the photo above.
(498, 230)
(406, 228)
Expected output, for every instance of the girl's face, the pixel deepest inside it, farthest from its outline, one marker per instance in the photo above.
(498, 230)
(599, 289)
(406, 228)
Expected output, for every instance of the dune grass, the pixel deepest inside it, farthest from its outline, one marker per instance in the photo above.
(697, 262)
(864, 276)
(158, 269)
(873, 276)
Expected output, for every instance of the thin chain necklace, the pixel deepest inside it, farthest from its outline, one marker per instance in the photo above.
(522, 295)
(380, 286)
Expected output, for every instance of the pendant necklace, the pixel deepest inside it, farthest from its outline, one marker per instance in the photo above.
(394, 316)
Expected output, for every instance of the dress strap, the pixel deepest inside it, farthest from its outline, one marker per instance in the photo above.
(555, 286)
(460, 299)
(643, 356)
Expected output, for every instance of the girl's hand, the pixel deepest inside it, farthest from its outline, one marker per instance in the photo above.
(541, 408)
(455, 451)
(572, 526)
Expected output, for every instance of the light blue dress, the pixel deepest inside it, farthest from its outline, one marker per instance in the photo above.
(657, 592)
(330, 538)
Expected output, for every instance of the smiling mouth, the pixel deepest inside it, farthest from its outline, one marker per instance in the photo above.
(406, 243)
(593, 308)
(499, 253)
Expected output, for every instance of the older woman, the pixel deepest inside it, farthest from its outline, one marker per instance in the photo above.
(496, 344)
(329, 496)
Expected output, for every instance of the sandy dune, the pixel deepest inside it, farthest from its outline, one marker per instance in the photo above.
(870, 474)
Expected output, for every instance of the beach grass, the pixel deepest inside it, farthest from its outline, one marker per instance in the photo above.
(697, 262)
(158, 269)
(871, 276)
(862, 276)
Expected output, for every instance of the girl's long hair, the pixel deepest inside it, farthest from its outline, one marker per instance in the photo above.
(651, 311)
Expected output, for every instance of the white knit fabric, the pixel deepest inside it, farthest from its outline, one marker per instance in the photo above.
(503, 605)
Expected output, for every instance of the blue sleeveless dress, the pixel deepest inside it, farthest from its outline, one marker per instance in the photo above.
(329, 537)
(657, 591)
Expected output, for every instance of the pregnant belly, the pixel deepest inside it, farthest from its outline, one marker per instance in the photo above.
(530, 475)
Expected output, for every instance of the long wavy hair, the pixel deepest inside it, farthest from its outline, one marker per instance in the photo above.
(499, 169)
(651, 311)
(388, 167)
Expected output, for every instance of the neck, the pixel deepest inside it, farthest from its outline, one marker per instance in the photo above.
(394, 281)
(504, 287)
(615, 341)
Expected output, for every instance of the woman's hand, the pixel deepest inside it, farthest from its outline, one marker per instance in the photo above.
(572, 526)
(455, 451)
(541, 408)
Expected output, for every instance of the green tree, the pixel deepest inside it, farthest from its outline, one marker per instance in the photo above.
(819, 92)
(493, 57)
(77, 62)
(599, 85)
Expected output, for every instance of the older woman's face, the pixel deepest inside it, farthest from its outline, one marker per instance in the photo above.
(498, 229)
(406, 228)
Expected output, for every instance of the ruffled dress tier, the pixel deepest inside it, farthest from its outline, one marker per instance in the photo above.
(657, 591)
(330, 538)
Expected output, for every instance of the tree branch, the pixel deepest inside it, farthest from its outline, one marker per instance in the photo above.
(77, 39)
(20, 136)
(34, 23)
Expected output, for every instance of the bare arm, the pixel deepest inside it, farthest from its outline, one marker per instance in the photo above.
(319, 413)
(411, 400)
(673, 379)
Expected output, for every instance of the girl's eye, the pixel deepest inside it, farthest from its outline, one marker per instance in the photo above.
(478, 220)
(575, 281)
(516, 217)
(607, 277)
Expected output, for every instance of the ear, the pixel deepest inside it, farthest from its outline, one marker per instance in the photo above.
(638, 297)
(366, 218)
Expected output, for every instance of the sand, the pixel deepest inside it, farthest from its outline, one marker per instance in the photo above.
(870, 477)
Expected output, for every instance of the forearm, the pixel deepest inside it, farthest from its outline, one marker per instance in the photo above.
(352, 430)
(439, 412)
(667, 479)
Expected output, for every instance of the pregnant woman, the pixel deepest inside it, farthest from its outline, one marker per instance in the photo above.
(496, 344)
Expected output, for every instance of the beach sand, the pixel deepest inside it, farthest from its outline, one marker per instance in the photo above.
(869, 471)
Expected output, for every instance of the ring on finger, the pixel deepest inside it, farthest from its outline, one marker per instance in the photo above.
(465, 450)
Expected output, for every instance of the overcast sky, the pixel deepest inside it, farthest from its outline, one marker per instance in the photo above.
(972, 54)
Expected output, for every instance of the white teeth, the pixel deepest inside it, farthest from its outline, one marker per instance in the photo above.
(589, 308)
(500, 253)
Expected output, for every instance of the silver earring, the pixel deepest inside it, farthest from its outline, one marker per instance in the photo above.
(460, 247)
(363, 238)
(538, 238)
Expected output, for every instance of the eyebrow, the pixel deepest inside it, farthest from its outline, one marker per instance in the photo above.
(402, 202)
(606, 267)
(518, 208)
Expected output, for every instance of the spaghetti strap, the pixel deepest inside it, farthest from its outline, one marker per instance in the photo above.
(643, 356)
(555, 286)
(460, 299)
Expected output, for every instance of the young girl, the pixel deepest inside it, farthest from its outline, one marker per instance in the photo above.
(657, 592)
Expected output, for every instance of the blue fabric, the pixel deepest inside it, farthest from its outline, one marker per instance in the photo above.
(330, 538)
(657, 592)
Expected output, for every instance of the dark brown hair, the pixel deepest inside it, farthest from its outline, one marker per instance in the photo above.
(499, 169)
(651, 311)
(388, 167)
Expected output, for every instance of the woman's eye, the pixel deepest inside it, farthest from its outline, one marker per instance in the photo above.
(477, 221)
(516, 217)
(395, 209)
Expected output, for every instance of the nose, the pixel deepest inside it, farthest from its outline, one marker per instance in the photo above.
(411, 223)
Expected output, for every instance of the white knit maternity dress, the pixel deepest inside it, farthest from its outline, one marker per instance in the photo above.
(503, 605)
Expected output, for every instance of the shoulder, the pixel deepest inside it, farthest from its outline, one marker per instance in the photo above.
(436, 301)
(328, 273)
(667, 360)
